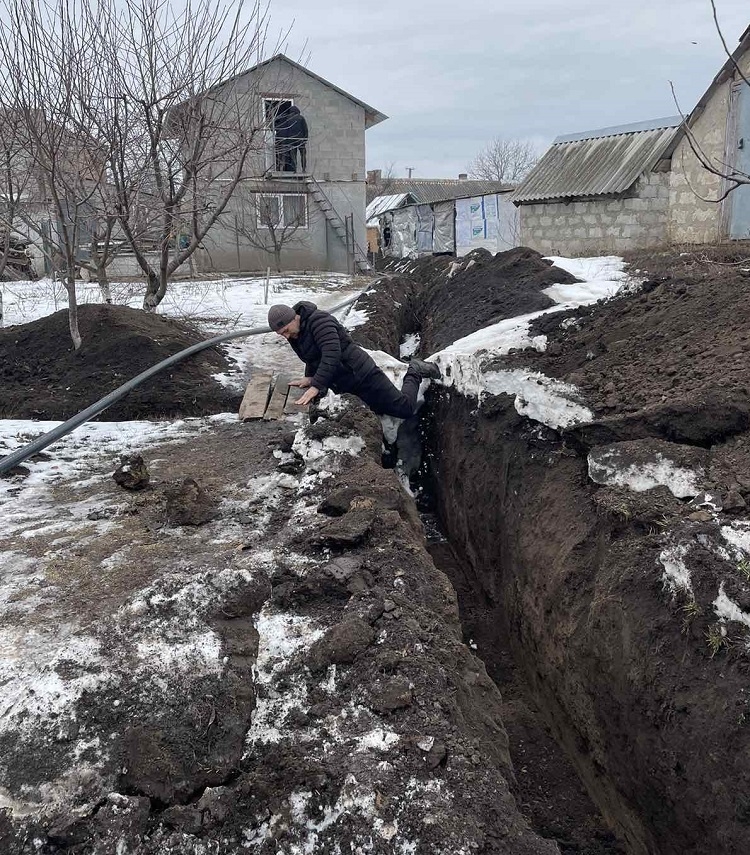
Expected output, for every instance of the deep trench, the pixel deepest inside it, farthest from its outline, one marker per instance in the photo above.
(547, 787)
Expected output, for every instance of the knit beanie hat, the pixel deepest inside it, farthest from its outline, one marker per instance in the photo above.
(280, 316)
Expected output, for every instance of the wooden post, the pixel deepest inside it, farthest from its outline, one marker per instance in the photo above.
(237, 240)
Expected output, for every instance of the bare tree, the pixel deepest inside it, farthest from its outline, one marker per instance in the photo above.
(269, 222)
(47, 66)
(181, 123)
(506, 160)
(16, 179)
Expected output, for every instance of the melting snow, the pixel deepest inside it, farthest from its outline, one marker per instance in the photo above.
(410, 345)
(549, 401)
(676, 573)
(728, 610)
(606, 467)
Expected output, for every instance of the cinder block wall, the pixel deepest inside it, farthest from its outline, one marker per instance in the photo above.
(692, 219)
(335, 157)
(607, 225)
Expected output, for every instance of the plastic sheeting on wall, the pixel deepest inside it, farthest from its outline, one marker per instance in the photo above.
(490, 222)
(444, 235)
(404, 233)
(425, 227)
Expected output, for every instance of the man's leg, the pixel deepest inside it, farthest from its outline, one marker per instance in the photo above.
(383, 398)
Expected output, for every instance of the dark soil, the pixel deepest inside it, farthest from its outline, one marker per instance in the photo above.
(643, 687)
(43, 377)
(392, 647)
(680, 344)
(445, 299)
(546, 786)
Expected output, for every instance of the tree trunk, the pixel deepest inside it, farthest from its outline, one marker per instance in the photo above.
(101, 275)
(152, 299)
(277, 258)
(70, 287)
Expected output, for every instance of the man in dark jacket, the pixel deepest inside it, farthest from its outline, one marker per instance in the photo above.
(298, 134)
(333, 361)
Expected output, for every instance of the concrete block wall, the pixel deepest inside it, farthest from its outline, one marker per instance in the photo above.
(336, 124)
(605, 225)
(335, 157)
(316, 247)
(691, 218)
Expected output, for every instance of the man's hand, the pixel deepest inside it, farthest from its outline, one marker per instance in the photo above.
(304, 383)
(305, 399)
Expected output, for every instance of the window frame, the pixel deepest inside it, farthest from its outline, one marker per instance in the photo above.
(281, 224)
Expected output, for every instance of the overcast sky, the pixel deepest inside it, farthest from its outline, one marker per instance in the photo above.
(452, 75)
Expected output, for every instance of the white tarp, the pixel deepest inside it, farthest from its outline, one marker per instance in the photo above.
(425, 227)
(489, 221)
(444, 235)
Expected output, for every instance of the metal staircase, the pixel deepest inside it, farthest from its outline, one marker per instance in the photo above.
(355, 251)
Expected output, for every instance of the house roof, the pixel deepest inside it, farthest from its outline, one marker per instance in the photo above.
(372, 116)
(381, 204)
(725, 73)
(598, 163)
(428, 190)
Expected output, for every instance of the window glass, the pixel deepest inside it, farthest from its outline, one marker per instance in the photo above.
(295, 210)
(269, 211)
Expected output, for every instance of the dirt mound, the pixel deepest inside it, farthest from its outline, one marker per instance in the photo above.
(681, 344)
(43, 377)
(445, 299)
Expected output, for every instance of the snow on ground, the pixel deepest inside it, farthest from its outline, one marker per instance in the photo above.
(216, 306)
(551, 402)
(608, 465)
(410, 345)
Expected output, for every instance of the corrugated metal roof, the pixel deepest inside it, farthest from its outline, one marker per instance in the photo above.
(597, 163)
(427, 190)
(381, 204)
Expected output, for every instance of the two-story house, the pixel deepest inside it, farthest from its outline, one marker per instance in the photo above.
(302, 204)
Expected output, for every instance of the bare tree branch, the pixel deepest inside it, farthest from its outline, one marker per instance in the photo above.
(506, 160)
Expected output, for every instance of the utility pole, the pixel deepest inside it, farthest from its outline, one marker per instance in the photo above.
(410, 169)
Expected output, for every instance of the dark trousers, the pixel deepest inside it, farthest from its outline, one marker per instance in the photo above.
(383, 398)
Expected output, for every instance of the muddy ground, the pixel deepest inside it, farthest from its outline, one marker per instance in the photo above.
(347, 715)
(625, 606)
(444, 300)
(609, 696)
(43, 377)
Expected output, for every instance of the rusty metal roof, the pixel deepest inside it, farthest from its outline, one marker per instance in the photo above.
(597, 163)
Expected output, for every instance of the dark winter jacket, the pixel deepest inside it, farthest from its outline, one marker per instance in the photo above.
(331, 358)
(296, 125)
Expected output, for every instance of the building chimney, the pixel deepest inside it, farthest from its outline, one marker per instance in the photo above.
(463, 176)
(374, 176)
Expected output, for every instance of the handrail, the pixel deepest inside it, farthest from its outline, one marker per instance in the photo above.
(19, 455)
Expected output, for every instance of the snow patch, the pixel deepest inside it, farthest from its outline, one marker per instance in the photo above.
(605, 467)
(727, 610)
(676, 573)
(410, 345)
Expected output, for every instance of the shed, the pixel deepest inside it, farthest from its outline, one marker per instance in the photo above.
(599, 191)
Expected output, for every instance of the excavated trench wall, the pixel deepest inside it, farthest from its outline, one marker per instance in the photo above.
(655, 726)
(640, 713)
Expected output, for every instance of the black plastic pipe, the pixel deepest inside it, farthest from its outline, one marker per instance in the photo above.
(19, 455)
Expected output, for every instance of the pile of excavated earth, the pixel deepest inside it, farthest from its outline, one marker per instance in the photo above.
(247, 642)
(43, 377)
